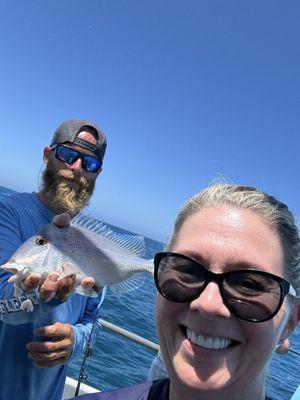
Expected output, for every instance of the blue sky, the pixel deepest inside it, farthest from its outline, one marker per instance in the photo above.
(186, 91)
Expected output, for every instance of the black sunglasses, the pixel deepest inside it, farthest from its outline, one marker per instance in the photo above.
(69, 156)
(249, 294)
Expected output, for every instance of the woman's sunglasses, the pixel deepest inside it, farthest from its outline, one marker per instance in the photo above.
(69, 156)
(249, 294)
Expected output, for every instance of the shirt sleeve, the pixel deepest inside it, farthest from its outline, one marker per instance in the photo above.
(10, 240)
(87, 327)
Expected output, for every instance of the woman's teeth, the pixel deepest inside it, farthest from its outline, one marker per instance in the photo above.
(215, 343)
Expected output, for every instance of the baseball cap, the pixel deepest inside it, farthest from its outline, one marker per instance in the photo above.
(69, 129)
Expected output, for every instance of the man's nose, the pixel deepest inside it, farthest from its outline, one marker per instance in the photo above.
(210, 303)
(77, 165)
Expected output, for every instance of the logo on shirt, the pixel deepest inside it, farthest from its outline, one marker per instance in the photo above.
(13, 305)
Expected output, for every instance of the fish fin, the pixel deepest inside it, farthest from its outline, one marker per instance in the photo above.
(10, 269)
(133, 243)
(86, 292)
(66, 275)
(19, 276)
(66, 269)
(14, 278)
(134, 282)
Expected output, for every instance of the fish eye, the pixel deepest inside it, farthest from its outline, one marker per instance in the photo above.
(40, 241)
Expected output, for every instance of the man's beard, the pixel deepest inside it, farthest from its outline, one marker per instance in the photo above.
(66, 191)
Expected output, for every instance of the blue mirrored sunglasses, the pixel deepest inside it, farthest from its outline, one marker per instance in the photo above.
(68, 155)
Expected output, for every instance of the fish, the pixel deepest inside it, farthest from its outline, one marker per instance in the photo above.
(83, 246)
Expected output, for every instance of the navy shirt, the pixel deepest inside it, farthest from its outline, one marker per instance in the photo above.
(157, 390)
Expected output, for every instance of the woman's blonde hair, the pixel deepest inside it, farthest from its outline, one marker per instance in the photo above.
(277, 214)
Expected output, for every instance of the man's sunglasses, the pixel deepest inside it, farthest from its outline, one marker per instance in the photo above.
(69, 156)
(249, 294)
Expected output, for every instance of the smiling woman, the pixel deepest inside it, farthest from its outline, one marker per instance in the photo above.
(228, 287)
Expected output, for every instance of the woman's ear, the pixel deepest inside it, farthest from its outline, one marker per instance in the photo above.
(291, 323)
(283, 347)
(47, 151)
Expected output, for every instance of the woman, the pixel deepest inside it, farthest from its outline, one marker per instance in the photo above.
(228, 286)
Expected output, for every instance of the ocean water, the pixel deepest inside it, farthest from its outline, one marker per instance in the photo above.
(118, 362)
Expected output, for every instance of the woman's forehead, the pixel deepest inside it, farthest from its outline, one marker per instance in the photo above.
(228, 218)
(226, 236)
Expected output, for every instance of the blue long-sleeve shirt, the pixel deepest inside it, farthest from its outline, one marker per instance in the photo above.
(21, 216)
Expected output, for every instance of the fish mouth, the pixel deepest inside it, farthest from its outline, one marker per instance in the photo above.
(10, 266)
(207, 341)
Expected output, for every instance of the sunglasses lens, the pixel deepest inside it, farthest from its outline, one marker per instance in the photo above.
(252, 296)
(69, 156)
(178, 279)
(249, 295)
(66, 154)
(91, 164)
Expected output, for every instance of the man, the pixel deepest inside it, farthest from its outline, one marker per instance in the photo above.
(35, 347)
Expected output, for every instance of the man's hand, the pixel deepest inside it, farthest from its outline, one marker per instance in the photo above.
(48, 354)
(53, 285)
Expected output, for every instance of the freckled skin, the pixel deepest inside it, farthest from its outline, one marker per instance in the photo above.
(223, 238)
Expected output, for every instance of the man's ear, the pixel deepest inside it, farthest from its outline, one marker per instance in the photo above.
(47, 152)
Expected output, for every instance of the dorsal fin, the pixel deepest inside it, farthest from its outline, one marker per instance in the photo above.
(133, 243)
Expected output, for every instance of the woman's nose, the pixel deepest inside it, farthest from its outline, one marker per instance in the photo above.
(210, 303)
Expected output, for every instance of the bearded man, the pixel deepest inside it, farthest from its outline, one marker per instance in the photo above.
(61, 320)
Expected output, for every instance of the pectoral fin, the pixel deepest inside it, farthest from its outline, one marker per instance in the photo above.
(14, 271)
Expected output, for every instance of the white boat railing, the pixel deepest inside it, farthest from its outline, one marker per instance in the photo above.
(129, 335)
